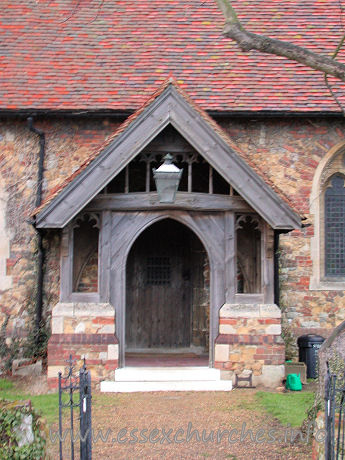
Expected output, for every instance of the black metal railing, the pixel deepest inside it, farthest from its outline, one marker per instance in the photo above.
(75, 392)
(335, 417)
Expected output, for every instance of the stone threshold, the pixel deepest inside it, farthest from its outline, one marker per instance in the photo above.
(134, 379)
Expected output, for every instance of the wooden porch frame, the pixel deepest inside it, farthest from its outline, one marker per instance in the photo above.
(208, 228)
(119, 231)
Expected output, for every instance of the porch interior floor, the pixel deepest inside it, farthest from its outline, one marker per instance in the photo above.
(134, 359)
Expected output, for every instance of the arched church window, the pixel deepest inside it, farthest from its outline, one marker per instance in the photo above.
(327, 208)
(334, 230)
(85, 253)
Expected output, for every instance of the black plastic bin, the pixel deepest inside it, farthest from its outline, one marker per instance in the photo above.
(309, 346)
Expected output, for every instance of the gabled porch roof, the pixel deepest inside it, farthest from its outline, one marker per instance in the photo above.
(169, 105)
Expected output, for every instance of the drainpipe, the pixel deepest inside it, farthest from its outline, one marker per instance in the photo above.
(39, 233)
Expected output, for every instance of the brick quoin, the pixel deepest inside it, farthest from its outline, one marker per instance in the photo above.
(103, 321)
(228, 321)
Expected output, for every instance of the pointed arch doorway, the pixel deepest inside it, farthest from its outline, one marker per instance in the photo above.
(167, 297)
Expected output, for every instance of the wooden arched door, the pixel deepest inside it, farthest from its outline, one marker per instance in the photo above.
(164, 275)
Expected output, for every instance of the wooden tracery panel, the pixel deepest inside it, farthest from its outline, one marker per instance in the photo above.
(248, 252)
(85, 253)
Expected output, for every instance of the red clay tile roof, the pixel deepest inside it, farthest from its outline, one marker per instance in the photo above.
(112, 54)
(57, 190)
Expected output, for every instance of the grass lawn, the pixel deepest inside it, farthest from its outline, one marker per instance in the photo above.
(46, 404)
(287, 407)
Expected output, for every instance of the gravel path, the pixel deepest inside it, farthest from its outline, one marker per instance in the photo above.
(170, 419)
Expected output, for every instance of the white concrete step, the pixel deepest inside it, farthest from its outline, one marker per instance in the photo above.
(138, 379)
(191, 385)
(166, 374)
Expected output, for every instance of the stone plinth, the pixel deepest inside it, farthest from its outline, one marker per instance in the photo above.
(250, 339)
(84, 330)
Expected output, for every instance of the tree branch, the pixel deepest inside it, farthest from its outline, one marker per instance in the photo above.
(326, 77)
(250, 41)
(332, 93)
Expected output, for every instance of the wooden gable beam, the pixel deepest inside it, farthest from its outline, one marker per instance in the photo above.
(169, 107)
